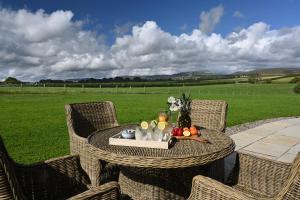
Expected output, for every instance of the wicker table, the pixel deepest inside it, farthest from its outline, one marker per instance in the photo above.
(148, 173)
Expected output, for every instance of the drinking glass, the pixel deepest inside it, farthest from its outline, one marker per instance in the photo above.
(149, 134)
(157, 135)
(166, 137)
(140, 134)
(173, 118)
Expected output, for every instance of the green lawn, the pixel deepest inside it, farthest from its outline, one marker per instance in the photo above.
(32, 120)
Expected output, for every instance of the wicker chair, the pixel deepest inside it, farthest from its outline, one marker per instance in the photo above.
(257, 178)
(59, 178)
(210, 114)
(82, 120)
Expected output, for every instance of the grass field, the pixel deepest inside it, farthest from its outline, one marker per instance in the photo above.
(32, 120)
(283, 80)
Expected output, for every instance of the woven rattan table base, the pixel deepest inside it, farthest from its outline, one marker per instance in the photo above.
(149, 183)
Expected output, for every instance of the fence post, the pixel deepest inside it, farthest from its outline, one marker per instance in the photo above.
(144, 89)
(82, 86)
(116, 89)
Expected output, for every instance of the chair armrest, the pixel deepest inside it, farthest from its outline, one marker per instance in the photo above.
(106, 191)
(68, 166)
(261, 176)
(59, 176)
(207, 188)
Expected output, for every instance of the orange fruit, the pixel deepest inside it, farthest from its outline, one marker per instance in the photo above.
(163, 117)
(186, 133)
(193, 130)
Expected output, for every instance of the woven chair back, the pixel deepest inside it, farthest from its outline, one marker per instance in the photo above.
(9, 187)
(210, 114)
(291, 189)
(86, 118)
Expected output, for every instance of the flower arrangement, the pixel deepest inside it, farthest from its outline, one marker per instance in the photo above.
(182, 104)
(174, 104)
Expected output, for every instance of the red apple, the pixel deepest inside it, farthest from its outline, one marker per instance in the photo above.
(180, 132)
(175, 131)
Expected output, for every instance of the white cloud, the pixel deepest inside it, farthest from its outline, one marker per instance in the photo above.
(209, 19)
(238, 14)
(39, 45)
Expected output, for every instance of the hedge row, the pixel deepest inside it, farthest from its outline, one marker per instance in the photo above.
(130, 84)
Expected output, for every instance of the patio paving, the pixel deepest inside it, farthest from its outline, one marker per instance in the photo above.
(279, 140)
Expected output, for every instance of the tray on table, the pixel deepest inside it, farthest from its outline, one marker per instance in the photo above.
(120, 141)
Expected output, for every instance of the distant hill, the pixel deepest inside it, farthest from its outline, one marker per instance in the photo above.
(195, 75)
(271, 71)
(181, 75)
(209, 74)
(205, 74)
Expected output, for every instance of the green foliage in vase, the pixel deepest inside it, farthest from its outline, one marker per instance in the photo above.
(184, 119)
(186, 104)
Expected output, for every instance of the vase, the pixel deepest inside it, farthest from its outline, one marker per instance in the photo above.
(173, 116)
(184, 120)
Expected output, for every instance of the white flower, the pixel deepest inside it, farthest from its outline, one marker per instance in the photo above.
(178, 103)
(171, 100)
(174, 107)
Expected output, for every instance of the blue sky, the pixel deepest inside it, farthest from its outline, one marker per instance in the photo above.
(134, 37)
(174, 16)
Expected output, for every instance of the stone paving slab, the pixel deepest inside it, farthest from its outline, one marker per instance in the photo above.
(279, 140)
(295, 149)
(291, 121)
(275, 125)
(293, 131)
(264, 148)
(289, 158)
(260, 131)
(257, 154)
(244, 139)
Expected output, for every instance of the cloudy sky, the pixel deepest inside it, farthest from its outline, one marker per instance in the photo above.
(75, 39)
